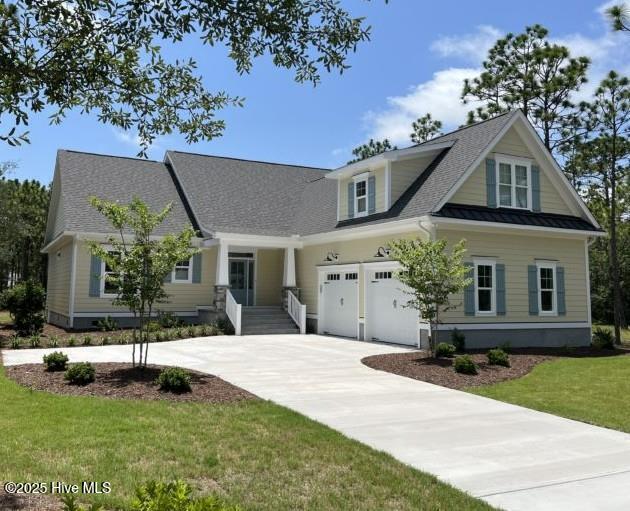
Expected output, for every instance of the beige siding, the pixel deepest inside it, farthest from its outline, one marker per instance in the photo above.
(404, 173)
(517, 252)
(473, 190)
(379, 175)
(354, 251)
(270, 267)
(59, 272)
(182, 297)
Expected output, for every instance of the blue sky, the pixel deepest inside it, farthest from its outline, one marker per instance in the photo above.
(418, 55)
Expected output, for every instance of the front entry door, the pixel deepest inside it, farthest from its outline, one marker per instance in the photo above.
(242, 281)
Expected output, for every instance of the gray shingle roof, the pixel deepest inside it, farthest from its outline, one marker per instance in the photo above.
(113, 178)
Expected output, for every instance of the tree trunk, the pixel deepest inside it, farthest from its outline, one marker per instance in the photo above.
(618, 312)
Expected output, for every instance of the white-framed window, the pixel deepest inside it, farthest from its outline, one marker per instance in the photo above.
(108, 288)
(514, 182)
(547, 288)
(182, 273)
(485, 287)
(361, 195)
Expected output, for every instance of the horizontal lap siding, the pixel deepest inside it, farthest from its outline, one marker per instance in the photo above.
(473, 190)
(517, 253)
(404, 173)
(354, 251)
(270, 266)
(182, 297)
(58, 286)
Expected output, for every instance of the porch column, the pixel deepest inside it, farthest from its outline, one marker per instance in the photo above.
(289, 282)
(222, 280)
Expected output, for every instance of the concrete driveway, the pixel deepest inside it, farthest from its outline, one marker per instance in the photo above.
(512, 457)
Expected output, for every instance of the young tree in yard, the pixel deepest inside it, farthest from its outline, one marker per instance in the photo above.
(372, 148)
(432, 275)
(526, 71)
(605, 160)
(139, 262)
(106, 57)
(425, 128)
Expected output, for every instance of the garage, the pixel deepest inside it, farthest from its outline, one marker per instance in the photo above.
(386, 317)
(339, 301)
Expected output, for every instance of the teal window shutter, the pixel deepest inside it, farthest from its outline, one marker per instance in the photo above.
(196, 268)
(351, 200)
(95, 276)
(500, 277)
(532, 286)
(562, 307)
(469, 293)
(371, 194)
(491, 183)
(535, 188)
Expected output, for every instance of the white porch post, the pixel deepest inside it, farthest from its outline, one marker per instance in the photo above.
(222, 280)
(288, 279)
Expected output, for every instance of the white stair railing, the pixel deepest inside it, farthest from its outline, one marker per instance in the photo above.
(233, 311)
(297, 311)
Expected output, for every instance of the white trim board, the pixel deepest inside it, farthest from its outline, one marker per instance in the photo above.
(512, 326)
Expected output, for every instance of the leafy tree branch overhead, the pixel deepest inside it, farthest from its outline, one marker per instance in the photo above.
(104, 56)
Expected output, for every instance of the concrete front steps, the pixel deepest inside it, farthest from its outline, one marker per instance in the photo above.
(266, 320)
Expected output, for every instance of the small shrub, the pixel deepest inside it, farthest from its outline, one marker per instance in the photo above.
(168, 320)
(498, 357)
(16, 342)
(174, 379)
(107, 324)
(603, 339)
(167, 335)
(25, 302)
(56, 361)
(72, 341)
(179, 333)
(175, 496)
(34, 341)
(191, 331)
(69, 502)
(444, 349)
(87, 340)
(158, 337)
(153, 326)
(225, 326)
(123, 339)
(53, 342)
(465, 365)
(80, 374)
(203, 330)
(458, 339)
(105, 340)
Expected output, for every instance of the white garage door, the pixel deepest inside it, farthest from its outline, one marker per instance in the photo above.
(387, 319)
(340, 301)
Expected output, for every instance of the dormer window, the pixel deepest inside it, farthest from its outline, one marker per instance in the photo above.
(361, 194)
(514, 183)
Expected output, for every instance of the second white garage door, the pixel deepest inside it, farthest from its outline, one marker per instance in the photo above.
(386, 317)
(340, 303)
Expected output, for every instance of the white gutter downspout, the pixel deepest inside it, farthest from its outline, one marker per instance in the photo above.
(73, 279)
(587, 243)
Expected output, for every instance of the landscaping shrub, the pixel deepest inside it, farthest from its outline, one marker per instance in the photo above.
(35, 341)
(53, 342)
(105, 340)
(458, 339)
(204, 330)
(191, 331)
(498, 357)
(70, 503)
(80, 374)
(168, 320)
(56, 361)
(25, 302)
(87, 340)
(180, 333)
(225, 326)
(465, 365)
(175, 496)
(174, 379)
(153, 326)
(107, 324)
(158, 336)
(16, 342)
(444, 349)
(72, 341)
(603, 339)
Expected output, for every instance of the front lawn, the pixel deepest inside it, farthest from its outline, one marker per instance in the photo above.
(593, 390)
(255, 453)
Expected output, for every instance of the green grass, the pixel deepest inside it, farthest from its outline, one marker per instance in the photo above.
(593, 390)
(260, 455)
(5, 318)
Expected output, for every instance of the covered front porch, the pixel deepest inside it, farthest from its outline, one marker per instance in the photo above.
(256, 282)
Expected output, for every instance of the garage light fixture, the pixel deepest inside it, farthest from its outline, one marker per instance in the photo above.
(382, 252)
(332, 257)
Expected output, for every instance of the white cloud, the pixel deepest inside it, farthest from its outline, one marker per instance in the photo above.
(472, 47)
(440, 96)
(133, 139)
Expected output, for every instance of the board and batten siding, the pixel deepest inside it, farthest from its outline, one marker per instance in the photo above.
(58, 285)
(270, 267)
(517, 252)
(182, 297)
(473, 190)
(308, 259)
(379, 176)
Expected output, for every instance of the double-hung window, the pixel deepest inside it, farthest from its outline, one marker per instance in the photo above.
(514, 183)
(485, 286)
(361, 195)
(547, 298)
(183, 271)
(109, 287)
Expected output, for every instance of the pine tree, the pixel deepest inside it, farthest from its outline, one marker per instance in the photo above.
(425, 128)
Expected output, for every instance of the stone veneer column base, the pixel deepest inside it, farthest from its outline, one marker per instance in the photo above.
(285, 296)
(220, 293)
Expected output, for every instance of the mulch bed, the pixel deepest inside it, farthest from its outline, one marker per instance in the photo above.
(28, 502)
(122, 381)
(439, 371)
